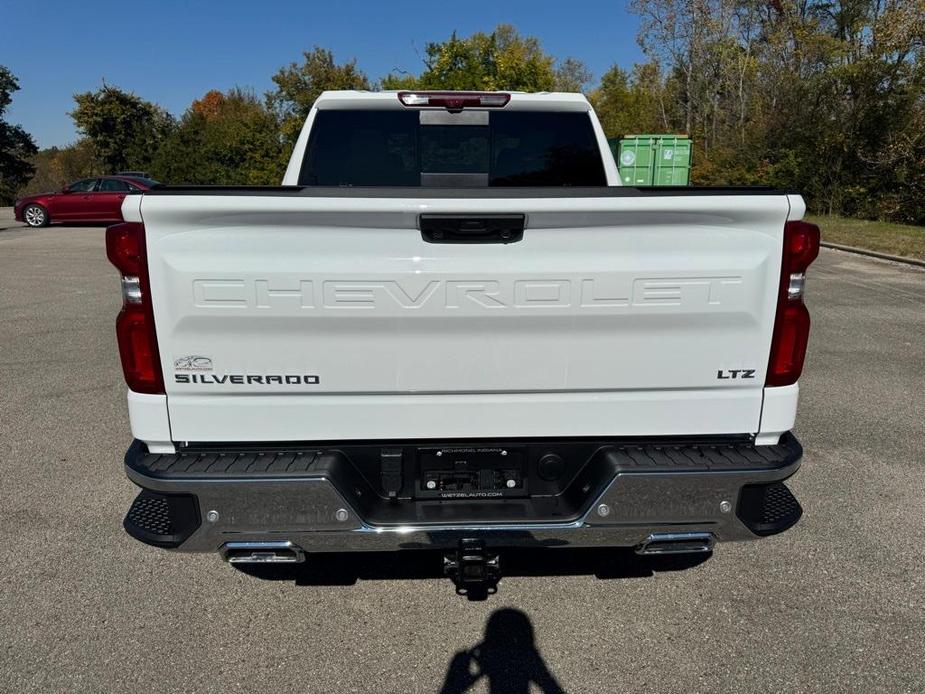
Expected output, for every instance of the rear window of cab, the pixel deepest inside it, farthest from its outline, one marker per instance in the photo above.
(497, 148)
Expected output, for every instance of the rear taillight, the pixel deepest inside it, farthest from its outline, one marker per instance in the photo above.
(125, 247)
(455, 100)
(791, 327)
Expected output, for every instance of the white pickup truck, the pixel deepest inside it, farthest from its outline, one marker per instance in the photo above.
(451, 327)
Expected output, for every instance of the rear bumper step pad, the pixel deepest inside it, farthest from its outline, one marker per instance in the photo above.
(296, 462)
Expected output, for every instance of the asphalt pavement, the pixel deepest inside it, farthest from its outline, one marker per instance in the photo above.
(836, 604)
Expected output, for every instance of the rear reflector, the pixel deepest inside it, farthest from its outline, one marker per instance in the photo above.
(455, 100)
(791, 326)
(790, 340)
(125, 247)
(139, 355)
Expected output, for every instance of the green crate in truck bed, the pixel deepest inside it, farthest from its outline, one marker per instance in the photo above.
(653, 160)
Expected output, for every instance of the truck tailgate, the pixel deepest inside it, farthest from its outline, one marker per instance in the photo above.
(292, 317)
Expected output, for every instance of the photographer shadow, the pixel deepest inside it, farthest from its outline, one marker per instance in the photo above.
(507, 657)
(506, 660)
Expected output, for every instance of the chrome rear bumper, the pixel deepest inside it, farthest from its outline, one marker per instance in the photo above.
(318, 511)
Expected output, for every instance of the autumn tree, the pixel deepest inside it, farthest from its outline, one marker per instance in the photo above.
(572, 75)
(848, 126)
(16, 145)
(228, 138)
(55, 167)
(825, 96)
(298, 85)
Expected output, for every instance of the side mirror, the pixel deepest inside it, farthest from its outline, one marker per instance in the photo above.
(65, 190)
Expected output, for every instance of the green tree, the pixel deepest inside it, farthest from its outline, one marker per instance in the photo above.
(298, 85)
(501, 60)
(399, 82)
(226, 138)
(16, 145)
(124, 129)
(632, 102)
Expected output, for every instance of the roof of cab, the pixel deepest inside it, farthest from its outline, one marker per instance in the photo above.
(520, 101)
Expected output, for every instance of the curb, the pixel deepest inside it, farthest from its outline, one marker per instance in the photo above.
(875, 254)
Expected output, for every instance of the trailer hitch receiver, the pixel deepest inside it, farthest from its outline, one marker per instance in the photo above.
(473, 569)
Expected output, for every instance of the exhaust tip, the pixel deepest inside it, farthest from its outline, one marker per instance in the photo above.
(676, 543)
(262, 553)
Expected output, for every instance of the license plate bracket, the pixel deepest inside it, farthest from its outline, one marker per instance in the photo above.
(471, 472)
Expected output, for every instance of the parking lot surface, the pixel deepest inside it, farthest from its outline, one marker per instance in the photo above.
(835, 604)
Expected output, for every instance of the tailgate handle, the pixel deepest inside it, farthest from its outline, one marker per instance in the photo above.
(479, 228)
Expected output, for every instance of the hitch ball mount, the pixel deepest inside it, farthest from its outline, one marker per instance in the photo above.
(474, 571)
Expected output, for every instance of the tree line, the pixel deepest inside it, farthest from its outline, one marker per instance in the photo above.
(821, 96)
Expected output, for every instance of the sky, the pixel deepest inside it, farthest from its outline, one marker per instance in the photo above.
(172, 52)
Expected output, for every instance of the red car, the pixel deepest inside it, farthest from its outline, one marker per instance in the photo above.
(87, 200)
